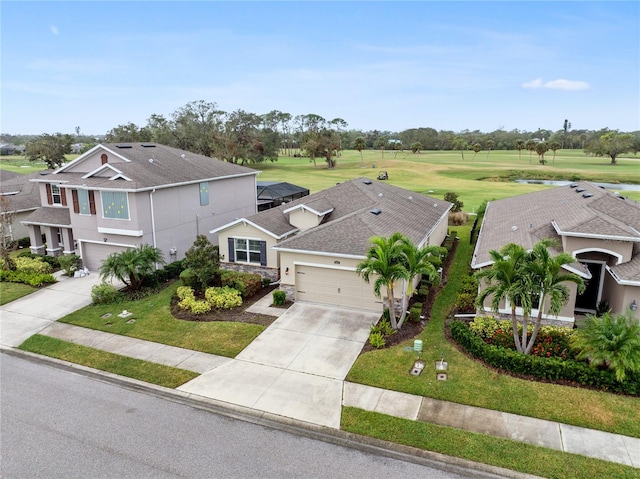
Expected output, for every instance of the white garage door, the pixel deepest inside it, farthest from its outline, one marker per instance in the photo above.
(93, 254)
(336, 287)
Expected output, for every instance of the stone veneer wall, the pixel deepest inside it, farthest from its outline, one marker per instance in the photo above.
(271, 273)
(544, 322)
(289, 290)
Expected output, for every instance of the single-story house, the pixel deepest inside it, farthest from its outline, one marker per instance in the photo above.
(274, 193)
(314, 243)
(118, 196)
(599, 228)
(21, 197)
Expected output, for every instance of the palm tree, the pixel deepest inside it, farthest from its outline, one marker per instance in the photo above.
(360, 144)
(505, 283)
(541, 149)
(545, 277)
(553, 146)
(490, 144)
(132, 265)
(530, 145)
(612, 340)
(476, 149)
(385, 262)
(419, 261)
(519, 147)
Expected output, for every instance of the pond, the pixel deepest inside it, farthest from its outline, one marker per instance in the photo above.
(609, 186)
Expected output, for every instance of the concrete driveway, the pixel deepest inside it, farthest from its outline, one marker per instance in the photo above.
(30, 314)
(296, 367)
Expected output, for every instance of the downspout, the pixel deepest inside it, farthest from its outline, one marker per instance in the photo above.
(153, 223)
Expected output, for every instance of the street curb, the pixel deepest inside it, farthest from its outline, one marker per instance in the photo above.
(338, 437)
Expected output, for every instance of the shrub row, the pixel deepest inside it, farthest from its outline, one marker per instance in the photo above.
(219, 298)
(160, 276)
(552, 369)
(105, 293)
(51, 260)
(32, 279)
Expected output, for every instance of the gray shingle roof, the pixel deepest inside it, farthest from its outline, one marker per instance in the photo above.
(49, 215)
(525, 219)
(348, 228)
(23, 195)
(169, 166)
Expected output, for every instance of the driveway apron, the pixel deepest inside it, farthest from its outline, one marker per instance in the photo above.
(296, 367)
(30, 314)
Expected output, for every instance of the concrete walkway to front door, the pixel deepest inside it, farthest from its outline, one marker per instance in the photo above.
(296, 367)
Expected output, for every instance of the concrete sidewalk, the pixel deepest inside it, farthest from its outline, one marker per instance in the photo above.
(539, 432)
(312, 401)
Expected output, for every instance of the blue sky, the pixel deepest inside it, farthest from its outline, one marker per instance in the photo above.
(377, 65)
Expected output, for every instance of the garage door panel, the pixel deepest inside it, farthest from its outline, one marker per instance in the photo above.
(335, 287)
(93, 254)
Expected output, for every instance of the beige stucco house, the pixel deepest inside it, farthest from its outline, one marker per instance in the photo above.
(314, 244)
(598, 227)
(20, 199)
(117, 196)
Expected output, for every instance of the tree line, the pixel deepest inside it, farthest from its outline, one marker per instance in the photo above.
(248, 138)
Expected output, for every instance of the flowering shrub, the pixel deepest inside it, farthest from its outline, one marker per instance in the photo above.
(223, 298)
(552, 341)
(184, 292)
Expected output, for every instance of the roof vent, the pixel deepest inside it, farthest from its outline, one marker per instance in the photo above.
(380, 195)
(376, 211)
(573, 185)
(580, 190)
(621, 197)
(124, 146)
(435, 205)
(367, 182)
(514, 228)
(587, 195)
(183, 156)
(150, 160)
(410, 198)
(148, 145)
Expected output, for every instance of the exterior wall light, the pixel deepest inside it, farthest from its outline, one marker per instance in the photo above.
(633, 305)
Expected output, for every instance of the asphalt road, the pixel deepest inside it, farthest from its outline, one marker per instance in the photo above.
(58, 423)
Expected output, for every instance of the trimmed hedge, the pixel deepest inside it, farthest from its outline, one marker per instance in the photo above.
(32, 279)
(552, 369)
(160, 276)
(247, 283)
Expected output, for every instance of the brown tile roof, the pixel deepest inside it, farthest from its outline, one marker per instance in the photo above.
(582, 209)
(49, 215)
(169, 166)
(348, 228)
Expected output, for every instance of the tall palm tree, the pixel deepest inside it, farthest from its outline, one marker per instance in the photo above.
(360, 144)
(531, 146)
(385, 262)
(490, 144)
(476, 149)
(132, 265)
(546, 278)
(519, 147)
(504, 281)
(419, 261)
(554, 146)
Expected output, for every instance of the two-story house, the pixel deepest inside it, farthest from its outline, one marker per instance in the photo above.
(117, 196)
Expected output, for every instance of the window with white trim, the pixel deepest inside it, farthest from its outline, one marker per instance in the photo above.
(115, 205)
(247, 251)
(56, 196)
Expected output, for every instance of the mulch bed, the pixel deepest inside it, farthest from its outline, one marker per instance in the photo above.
(238, 315)
(410, 329)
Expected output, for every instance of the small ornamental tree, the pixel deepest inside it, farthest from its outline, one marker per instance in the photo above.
(132, 265)
(203, 260)
(453, 198)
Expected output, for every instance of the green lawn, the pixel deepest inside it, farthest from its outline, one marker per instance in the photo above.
(469, 382)
(121, 365)
(437, 172)
(496, 451)
(154, 322)
(12, 291)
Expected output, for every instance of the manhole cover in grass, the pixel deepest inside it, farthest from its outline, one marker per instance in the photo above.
(106, 315)
(108, 325)
(131, 321)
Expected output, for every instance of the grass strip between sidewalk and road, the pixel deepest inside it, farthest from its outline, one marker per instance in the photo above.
(476, 447)
(114, 363)
(471, 382)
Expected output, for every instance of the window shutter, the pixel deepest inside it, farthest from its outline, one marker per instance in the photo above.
(232, 251)
(92, 203)
(263, 253)
(49, 195)
(76, 203)
(63, 195)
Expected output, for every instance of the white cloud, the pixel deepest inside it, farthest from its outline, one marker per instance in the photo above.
(54, 29)
(559, 84)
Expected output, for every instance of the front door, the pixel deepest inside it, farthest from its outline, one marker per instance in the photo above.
(588, 301)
